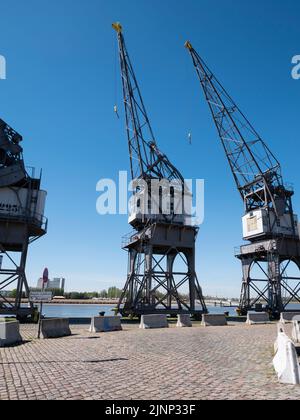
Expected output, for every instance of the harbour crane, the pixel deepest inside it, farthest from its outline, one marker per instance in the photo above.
(269, 223)
(22, 221)
(161, 274)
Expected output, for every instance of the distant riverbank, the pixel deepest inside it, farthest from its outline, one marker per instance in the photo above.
(84, 302)
(77, 301)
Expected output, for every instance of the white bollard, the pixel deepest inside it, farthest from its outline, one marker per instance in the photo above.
(286, 361)
(280, 330)
(184, 320)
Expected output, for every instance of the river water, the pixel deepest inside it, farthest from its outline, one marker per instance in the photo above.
(76, 311)
(88, 311)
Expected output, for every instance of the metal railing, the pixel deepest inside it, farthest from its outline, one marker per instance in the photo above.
(289, 186)
(237, 251)
(25, 216)
(129, 238)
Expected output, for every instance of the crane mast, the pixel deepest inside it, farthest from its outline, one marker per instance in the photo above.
(269, 222)
(164, 234)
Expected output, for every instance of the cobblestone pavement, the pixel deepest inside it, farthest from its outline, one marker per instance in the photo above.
(233, 362)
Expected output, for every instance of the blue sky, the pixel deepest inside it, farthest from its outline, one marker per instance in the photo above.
(60, 93)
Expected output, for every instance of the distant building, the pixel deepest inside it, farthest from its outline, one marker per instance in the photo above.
(56, 283)
(40, 283)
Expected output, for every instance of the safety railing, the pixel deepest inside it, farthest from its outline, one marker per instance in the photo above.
(128, 239)
(34, 219)
(237, 251)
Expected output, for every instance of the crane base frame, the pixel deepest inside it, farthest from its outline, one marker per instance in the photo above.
(152, 255)
(15, 274)
(276, 254)
(13, 255)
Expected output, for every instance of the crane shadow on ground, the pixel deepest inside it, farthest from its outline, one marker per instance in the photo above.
(50, 362)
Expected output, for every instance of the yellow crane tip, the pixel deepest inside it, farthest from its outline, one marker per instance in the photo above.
(117, 27)
(188, 45)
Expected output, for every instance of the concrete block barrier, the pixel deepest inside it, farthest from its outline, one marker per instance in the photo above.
(10, 333)
(154, 321)
(296, 331)
(214, 320)
(289, 317)
(184, 320)
(105, 324)
(254, 318)
(55, 328)
(286, 361)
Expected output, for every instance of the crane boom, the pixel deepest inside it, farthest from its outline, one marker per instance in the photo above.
(146, 160)
(256, 171)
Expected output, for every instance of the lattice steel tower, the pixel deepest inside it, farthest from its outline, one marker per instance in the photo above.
(162, 248)
(271, 261)
(22, 221)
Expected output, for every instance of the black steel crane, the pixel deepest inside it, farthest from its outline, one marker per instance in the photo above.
(22, 221)
(269, 222)
(163, 236)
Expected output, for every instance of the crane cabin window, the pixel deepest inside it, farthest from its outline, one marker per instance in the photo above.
(252, 224)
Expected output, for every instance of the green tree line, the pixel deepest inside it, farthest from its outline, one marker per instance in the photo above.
(111, 293)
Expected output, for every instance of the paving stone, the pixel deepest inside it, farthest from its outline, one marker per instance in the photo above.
(233, 362)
